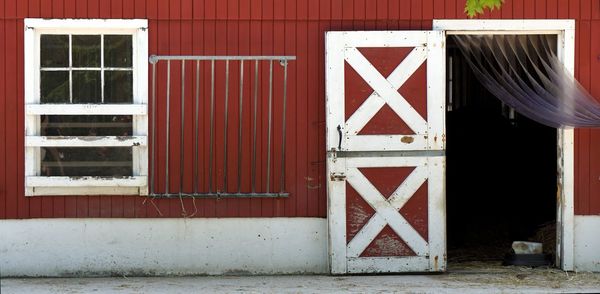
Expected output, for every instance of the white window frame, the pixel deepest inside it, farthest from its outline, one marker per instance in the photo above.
(36, 185)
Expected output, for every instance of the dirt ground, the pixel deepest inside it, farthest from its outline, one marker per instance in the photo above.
(493, 273)
(461, 278)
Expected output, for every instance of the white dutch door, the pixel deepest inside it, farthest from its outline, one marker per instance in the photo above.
(385, 141)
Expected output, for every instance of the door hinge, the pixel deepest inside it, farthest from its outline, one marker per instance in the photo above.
(337, 177)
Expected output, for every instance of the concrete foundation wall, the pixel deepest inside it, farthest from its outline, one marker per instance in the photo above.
(102, 247)
(134, 247)
(587, 243)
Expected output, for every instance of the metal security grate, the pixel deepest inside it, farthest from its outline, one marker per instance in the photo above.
(211, 79)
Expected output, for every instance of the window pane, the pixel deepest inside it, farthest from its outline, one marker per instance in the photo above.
(86, 125)
(86, 161)
(86, 50)
(86, 86)
(118, 86)
(54, 86)
(54, 50)
(117, 51)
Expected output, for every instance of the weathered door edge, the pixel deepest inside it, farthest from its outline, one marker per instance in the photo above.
(565, 31)
(336, 242)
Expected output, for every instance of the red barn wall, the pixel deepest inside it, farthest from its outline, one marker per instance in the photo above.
(262, 27)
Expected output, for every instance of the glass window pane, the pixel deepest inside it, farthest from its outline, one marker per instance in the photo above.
(118, 86)
(86, 161)
(117, 51)
(86, 50)
(54, 86)
(86, 86)
(86, 125)
(54, 50)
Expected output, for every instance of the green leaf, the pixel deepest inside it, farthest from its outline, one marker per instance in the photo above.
(474, 7)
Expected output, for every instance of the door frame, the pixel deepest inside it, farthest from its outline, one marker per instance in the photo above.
(565, 31)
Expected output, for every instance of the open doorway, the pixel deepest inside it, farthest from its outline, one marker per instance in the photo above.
(501, 171)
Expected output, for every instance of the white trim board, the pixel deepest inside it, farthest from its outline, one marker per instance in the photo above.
(151, 247)
(85, 141)
(565, 30)
(525, 26)
(90, 109)
(83, 24)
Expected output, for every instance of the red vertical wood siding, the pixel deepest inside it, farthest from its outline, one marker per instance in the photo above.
(265, 27)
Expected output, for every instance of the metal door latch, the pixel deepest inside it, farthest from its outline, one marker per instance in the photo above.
(332, 154)
(337, 177)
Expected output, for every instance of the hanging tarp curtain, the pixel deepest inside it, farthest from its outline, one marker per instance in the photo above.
(525, 73)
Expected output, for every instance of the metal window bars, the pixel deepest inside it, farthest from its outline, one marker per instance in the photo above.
(210, 171)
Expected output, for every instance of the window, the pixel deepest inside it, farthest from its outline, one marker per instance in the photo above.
(86, 107)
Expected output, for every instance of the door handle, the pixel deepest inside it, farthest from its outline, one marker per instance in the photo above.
(339, 129)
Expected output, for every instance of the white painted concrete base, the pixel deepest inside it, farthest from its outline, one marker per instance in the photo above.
(88, 247)
(587, 243)
(103, 247)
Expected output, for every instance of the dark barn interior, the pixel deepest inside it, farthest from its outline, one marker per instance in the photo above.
(501, 171)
